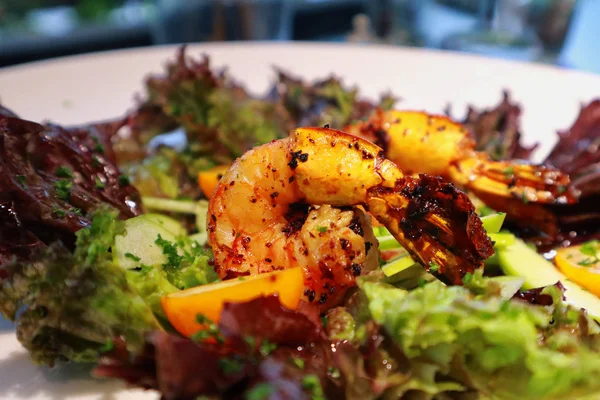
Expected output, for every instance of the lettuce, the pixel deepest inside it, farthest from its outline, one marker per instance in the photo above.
(68, 306)
(505, 349)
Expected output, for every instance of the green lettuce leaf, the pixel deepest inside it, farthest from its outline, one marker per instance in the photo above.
(505, 349)
(68, 306)
(150, 284)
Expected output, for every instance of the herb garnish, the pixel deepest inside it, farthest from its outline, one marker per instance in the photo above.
(132, 257)
(124, 180)
(99, 183)
(58, 213)
(170, 250)
(22, 180)
(97, 145)
(230, 366)
(590, 249)
(433, 267)
(64, 172)
(267, 347)
(261, 391)
(312, 385)
(208, 331)
(298, 362)
(63, 189)
(509, 172)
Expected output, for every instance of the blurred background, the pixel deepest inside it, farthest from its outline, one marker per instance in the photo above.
(559, 32)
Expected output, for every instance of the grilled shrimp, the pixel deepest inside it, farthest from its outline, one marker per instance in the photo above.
(422, 143)
(298, 201)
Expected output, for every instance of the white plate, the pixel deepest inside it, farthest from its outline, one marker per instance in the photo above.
(94, 87)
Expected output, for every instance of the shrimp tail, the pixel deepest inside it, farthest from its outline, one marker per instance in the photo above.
(518, 188)
(436, 145)
(436, 223)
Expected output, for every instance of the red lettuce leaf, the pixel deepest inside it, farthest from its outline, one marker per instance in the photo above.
(577, 148)
(576, 153)
(181, 369)
(50, 178)
(266, 318)
(497, 130)
(177, 367)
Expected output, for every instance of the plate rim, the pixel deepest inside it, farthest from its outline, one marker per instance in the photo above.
(532, 67)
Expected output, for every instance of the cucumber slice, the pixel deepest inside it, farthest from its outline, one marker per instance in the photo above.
(201, 215)
(170, 205)
(521, 260)
(502, 239)
(200, 208)
(398, 265)
(380, 231)
(388, 242)
(493, 223)
(576, 296)
(509, 285)
(168, 223)
(136, 246)
(201, 238)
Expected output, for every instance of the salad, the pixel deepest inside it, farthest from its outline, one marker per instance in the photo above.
(305, 244)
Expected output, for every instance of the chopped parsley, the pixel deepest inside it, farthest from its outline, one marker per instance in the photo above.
(170, 250)
(250, 341)
(75, 210)
(485, 210)
(64, 172)
(433, 267)
(322, 229)
(588, 262)
(203, 319)
(124, 180)
(260, 391)
(421, 282)
(524, 197)
(267, 347)
(509, 172)
(298, 362)
(230, 366)
(312, 385)
(209, 330)
(63, 189)
(97, 145)
(591, 250)
(99, 184)
(333, 372)
(22, 180)
(58, 213)
(106, 347)
(132, 257)
(96, 161)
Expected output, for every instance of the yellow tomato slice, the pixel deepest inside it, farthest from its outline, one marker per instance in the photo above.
(581, 265)
(182, 307)
(209, 179)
